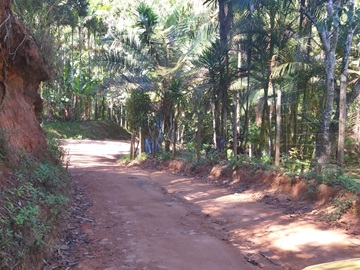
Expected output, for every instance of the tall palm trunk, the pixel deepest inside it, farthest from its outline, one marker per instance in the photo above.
(265, 135)
(225, 22)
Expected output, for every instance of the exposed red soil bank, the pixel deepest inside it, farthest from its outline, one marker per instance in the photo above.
(317, 196)
(21, 71)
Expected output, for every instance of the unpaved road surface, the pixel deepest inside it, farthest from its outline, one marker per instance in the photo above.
(146, 219)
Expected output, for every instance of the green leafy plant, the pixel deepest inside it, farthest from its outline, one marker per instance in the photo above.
(239, 161)
(164, 155)
(143, 156)
(340, 206)
(30, 208)
(125, 159)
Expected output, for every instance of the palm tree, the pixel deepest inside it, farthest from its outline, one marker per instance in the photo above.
(159, 50)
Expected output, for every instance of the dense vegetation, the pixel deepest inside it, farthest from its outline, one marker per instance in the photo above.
(33, 205)
(251, 82)
(276, 80)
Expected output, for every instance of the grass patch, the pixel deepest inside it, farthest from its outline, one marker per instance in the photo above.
(94, 130)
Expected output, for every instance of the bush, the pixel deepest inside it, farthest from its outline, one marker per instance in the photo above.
(163, 155)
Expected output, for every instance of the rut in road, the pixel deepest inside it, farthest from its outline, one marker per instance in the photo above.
(143, 219)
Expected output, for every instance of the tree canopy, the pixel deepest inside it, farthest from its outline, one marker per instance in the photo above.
(229, 61)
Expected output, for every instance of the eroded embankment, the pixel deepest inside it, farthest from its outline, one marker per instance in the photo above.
(331, 203)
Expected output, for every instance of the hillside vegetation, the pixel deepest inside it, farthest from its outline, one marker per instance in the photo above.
(95, 130)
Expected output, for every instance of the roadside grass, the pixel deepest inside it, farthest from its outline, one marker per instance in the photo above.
(93, 130)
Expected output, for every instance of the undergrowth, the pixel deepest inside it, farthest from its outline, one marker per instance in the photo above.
(340, 205)
(330, 175)
(32, 205)
(94, 130)
(334, 176)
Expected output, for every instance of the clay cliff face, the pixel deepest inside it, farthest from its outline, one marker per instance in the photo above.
(21, 72)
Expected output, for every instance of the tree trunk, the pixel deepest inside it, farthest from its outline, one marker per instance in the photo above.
(343, 84)
(132, 146)
(198, 135)
(329, 39)
(154, 142)
(96, 116)
(103, 108)
(214, 122)
(249, 46)
(235, 127)
(121, 115)
(342, 120)
(225, 24)
(323, 145)
(356, 127)
(278, 129)
(141, 141)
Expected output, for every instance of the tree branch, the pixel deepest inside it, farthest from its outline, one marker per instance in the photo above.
(322, 33)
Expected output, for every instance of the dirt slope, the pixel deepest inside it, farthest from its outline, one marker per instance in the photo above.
(145, 219)
(21, 71)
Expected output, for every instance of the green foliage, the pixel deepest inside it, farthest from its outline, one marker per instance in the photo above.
(30, 208)
(341, 205)
(96, 130)
(138, 106)
(163, 155)
(345, 182)
(264, 163)
(213, 156)
(147, 22)
(143, 156)
(293, 163)
(239, 161)
(333, 176)
(125, 159)
(311, 190)
(53, 146)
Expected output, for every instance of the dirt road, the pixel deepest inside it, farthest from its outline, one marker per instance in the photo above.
(143, 219)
